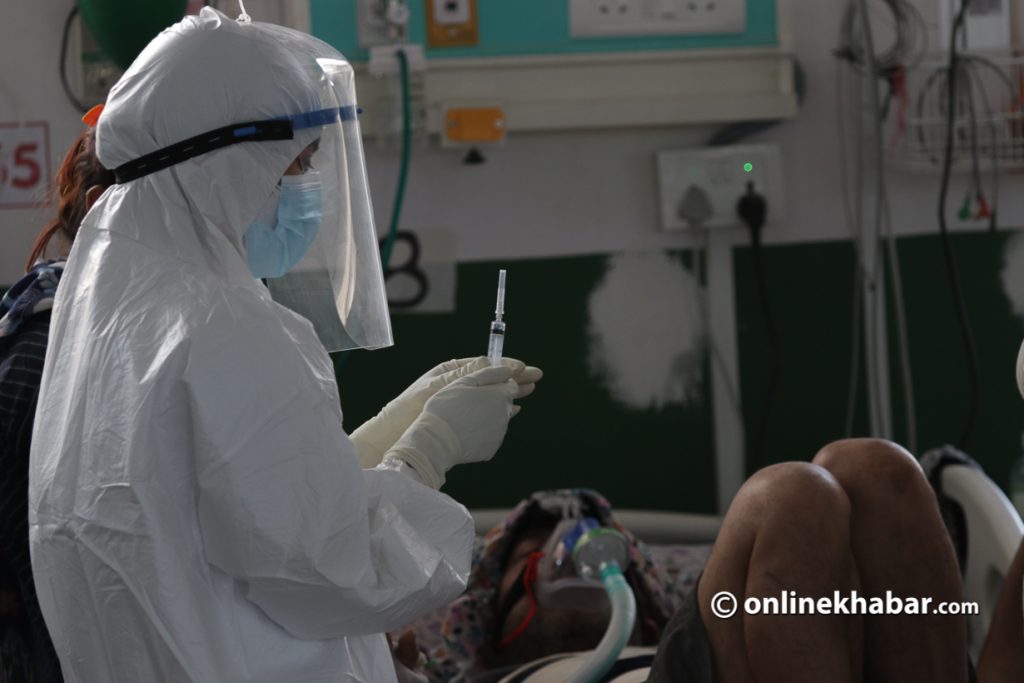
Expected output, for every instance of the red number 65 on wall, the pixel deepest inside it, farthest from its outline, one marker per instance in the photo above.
(24, 164)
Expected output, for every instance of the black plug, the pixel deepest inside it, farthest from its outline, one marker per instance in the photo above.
(752, 209)
(473, 157)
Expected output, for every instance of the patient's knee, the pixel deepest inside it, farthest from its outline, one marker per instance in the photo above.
(873, 465)
(800, 495)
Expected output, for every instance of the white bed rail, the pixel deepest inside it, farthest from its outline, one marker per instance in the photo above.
(994, 532)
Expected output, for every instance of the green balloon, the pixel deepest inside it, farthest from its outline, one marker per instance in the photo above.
(123, 27)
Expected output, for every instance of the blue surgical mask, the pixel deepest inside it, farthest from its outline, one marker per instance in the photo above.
(278, 240)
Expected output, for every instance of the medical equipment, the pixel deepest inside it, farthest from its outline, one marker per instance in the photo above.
(582, 560)
(496, 341)
(994, 533)
(604, 551)
(563, 580)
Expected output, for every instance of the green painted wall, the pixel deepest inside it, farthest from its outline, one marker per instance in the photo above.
(532, 27)
(571, 432)
(811, 294)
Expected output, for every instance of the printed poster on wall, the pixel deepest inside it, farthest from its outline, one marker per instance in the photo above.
(24, 164)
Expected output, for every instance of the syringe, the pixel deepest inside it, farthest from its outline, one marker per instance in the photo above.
(496, 341)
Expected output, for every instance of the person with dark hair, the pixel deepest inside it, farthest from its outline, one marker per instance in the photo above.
(860, 517)
(80, 181)
(26, 653)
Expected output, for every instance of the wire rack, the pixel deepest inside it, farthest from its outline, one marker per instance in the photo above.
(988, 125)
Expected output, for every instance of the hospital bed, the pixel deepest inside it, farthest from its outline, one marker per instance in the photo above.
(994, 532)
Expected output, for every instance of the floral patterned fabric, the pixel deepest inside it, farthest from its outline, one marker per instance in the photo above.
(453, 636)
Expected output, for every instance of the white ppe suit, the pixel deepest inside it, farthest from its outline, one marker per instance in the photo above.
(197, 512)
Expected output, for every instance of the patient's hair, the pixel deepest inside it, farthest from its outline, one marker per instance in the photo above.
(80, 171)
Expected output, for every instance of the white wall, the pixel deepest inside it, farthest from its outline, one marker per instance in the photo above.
(540, 194)
(577, 192)
(30, 91)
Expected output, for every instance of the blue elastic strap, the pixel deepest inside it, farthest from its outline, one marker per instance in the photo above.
(322, 117)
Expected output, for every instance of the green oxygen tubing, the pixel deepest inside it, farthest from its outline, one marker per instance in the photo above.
(604, 552)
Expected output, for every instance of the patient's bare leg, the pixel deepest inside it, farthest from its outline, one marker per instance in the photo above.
(787, 530)
(899, 544)
(1002, 657)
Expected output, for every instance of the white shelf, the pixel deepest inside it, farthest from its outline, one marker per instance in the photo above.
(605, 90)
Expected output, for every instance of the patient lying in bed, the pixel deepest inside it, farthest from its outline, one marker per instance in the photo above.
(861, 517)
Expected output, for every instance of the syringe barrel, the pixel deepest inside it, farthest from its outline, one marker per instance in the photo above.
(496, 343)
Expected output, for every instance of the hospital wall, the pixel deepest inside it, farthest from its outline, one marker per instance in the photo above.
(611, 307)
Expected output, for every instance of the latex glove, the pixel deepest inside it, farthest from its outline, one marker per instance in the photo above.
(464, 422)
(378, 434)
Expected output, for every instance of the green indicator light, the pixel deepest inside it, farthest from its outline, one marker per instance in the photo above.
(748, 167)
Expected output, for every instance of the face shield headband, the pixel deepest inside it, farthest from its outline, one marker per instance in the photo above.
(253, 131)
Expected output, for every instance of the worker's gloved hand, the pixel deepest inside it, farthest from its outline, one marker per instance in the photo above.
(378, 434)
(464, 422)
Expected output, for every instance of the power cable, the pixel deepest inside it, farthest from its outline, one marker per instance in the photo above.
(966, 334)
(752, 209)
(62, 66)
(883, 219)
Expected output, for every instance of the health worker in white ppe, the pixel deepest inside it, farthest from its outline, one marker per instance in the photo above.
(197, 512)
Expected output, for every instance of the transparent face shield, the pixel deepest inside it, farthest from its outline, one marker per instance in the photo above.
(337, 284)
(314, 240)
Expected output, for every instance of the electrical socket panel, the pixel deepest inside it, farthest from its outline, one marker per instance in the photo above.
(709, 181)
(598, 18)
(373, 27)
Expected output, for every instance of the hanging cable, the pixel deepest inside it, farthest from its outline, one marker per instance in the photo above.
(910, 40)
(979, 84)
(858, 50)
(752, 209)
(62, 67)
(967, 336)
(883, 219)
(899, 306)
(403, 169)
(858, 282)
